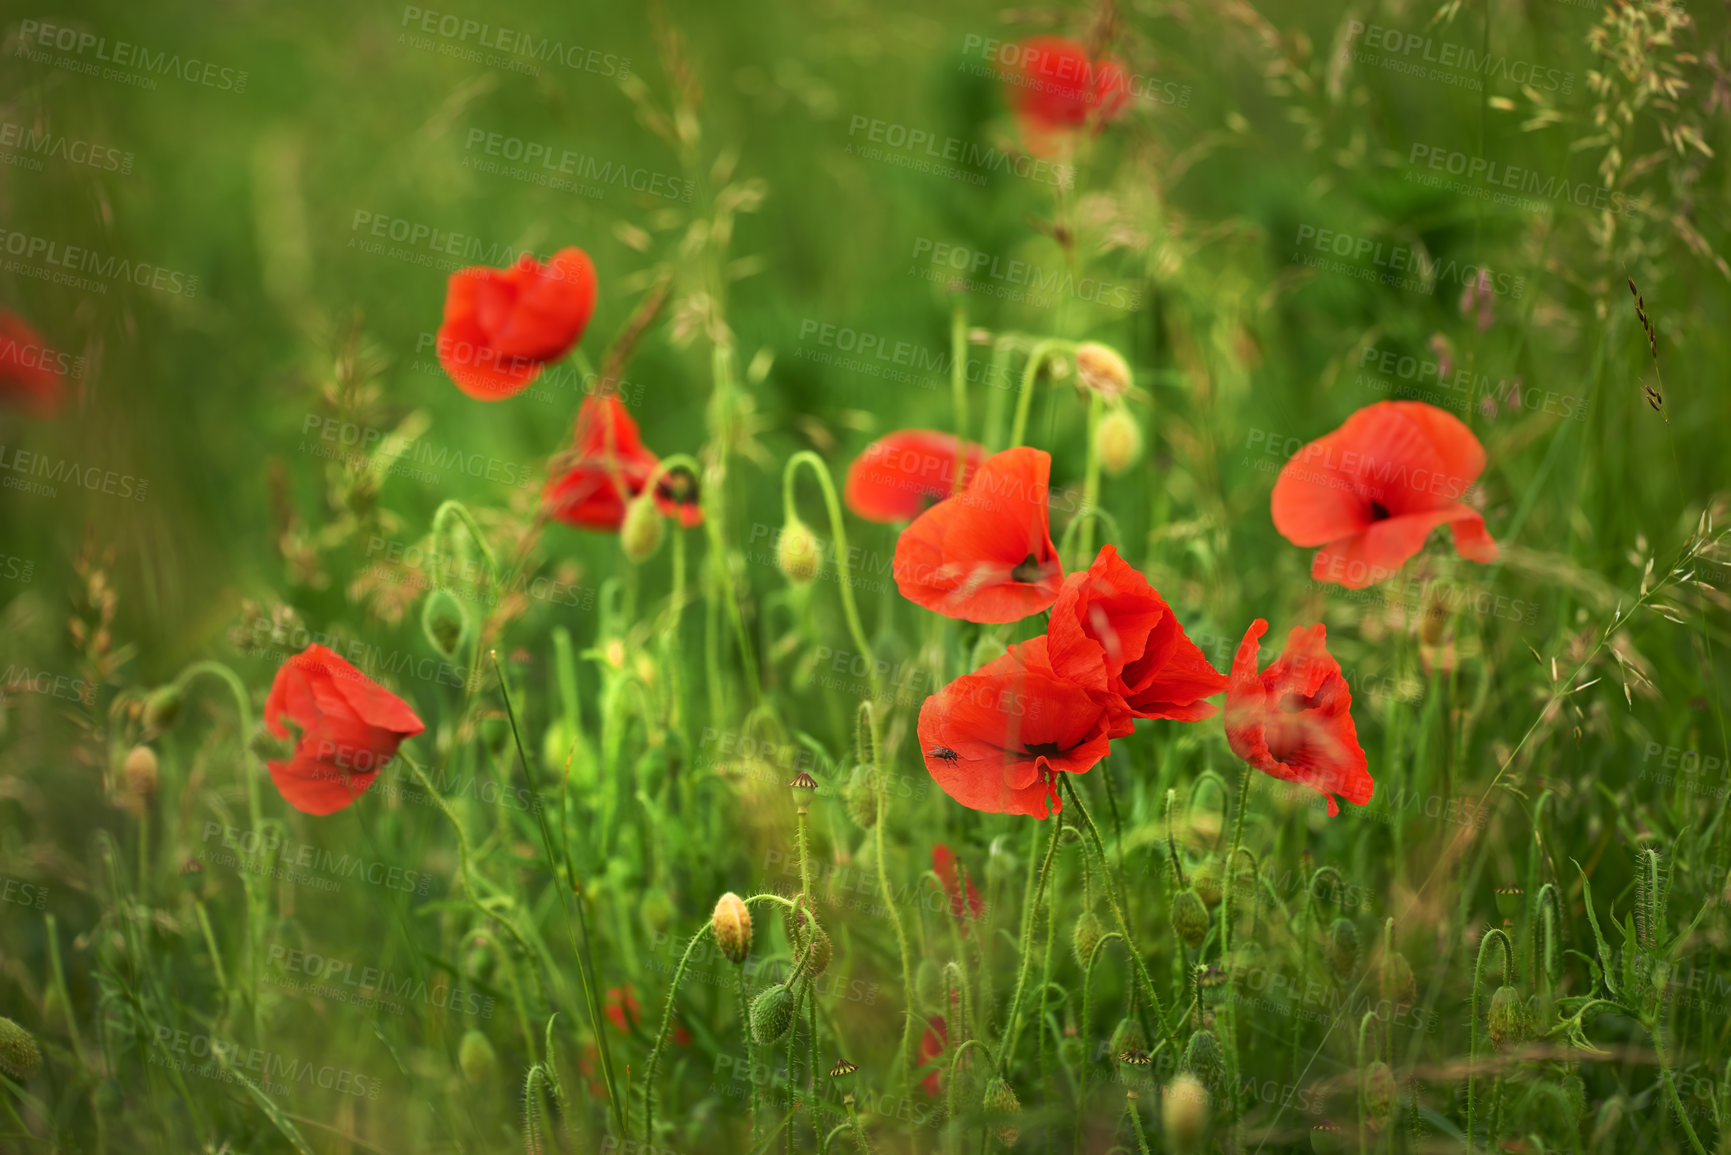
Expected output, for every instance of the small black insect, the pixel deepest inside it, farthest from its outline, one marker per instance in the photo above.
(842, 1067)
(944, 752)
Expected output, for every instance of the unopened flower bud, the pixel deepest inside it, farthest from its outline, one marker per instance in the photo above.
(1184, 1113)
(19, 1055)
(1507, 1020)
(1204, 1059)
(797, 552)
(1190, 918)
(1000, 1101)
(771, 1014)
(444, 622)
(641, 532)
(1379, 1092)
(657, 910)
(1341, 949)
(139, 770)
(811, 945)
(1118, 441)
(1401, 987)
(162, 707)
(1086, 937)
(861, 798)
(1102, 369)
(731, 923)
(477, 1059)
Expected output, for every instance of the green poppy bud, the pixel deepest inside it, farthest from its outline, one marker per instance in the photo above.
(860, 796)
(444, 621)
(1341, 948)
(1087, 935)
(19, 1055)
(657, 910)
(1118, 441)
(475, 1055)
(1507, 1019)
(811, 945)
(771, 1014)
(1204, 1059)
(1001, 1103)
(641, 531)
(1379, 1092)
(797, 552)
(162, 707)
(1401, 987)
(1189, 918)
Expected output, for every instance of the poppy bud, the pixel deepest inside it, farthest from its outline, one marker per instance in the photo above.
(861, 799)
(1208, 887)
(477, 1058)
(1401, 986)
(1086, 937)
(1190, 918)
(657, 910)
(1001, 1101)
(1379, 1093)
(929, 986)
(1341, 949)
(1507, 1020)
(1184, 1113)
(478, 960)
(1203, 1058)
(731, 923)
(1127, 1038)
(1102, 369)
(771, 1014)
(19, 1056)
(444, 622)
(811, 945)
(1118, 441)
(797, 552)
(139, 771)
(162, 708)
(641, 532)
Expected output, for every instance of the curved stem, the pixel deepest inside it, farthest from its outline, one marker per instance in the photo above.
(1090, 482)
(1498, 936)
(661, 1038)
(1087, 1015)
(955, 1066)
(1024, 400)
(449, 508)
(959, 386)
(838, 531)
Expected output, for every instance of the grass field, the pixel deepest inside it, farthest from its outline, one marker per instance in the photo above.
(813, 226)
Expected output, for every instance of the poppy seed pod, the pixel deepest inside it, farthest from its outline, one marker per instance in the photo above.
(1102, 369)
(1086, 937)
(771, 1014)
(1507, 1019)
(1510, 899)
(797, 552)
(1184, 1113)
(1190, 918)
(1118, 441)
(1379, 1092)
(162, 707)
(19, 1055)
(1127, 1038)
(477, 1058)
(1001, 1101)
(1341, 949)
(731, 924)
(641, 532)
(444, 622)
(139, 770)
(1326, 1139)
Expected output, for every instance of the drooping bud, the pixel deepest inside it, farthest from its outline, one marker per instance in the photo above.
(1184, 1113)
(641, 532)
(162, 708)
(1507, 1019)
(1118, 441)
(475, 1055)
(771, 1014)
(1086, 937)
(1341, 949)
(1208, 887)
(1189, 918)
(1401, 987)
(1379, 1092)
(139, 770)
(1204, 1059)
(1102, 369)
(797, 552)
(19, 1055)
(444, 621)
(1002, 1105)
(811, 945)
(731, 924)
(861, 798)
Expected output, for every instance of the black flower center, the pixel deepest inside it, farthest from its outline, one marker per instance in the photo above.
(1042, 749)
(1379, 511)
(1031, 570)
(1294, 703)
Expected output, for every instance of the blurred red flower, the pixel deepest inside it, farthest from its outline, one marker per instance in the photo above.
(502, 325)
(1056, 86)
(1113, 633)
(944, 866)
(1293, 721)
(350, 726)
(932, 1045)
(623, 1011)
(609, 466)
(996, 739)
(986, 554)
(899, 475)
(31, 370)
(1371, 492)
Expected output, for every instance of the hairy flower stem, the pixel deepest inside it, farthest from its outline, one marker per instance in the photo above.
(1496, 935)
(1030, 912)
(745, 1032)
(661, 1038)
(1230, 884)
(950, 1088)
(1090, 487)
(1143, 980)
(1087, 1016)
(959, 386)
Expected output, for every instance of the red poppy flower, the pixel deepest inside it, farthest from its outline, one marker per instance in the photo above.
(30, 369)
(1371, 492)
(1293, 721)
(1114, 634)
(1057, 86)
(502, 325)
(986, 554)
(898, 476)
(932, 1045)
(608, 467)
(995, 740)
(350, 726)
(944, 865)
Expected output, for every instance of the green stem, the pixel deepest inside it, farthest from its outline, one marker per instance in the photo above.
(1090, 485)
(838, 531)
(959, 386)
(1024, 400)
(1006, 1041)
(661, 1039)
(1494, 934)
